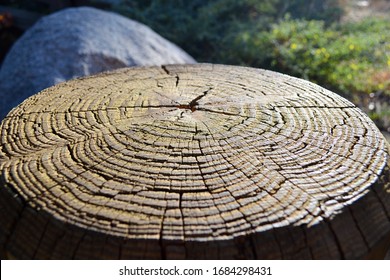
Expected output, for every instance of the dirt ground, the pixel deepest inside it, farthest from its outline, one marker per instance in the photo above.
(358, 9)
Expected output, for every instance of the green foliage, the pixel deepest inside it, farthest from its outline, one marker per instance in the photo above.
(201, 27)
(206, 28)
(328, 11)
(349, 58)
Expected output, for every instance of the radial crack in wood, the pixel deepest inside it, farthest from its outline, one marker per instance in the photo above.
(192, 161)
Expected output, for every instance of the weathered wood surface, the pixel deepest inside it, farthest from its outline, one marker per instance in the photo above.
(197, 161)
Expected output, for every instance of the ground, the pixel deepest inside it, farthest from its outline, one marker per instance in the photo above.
(358, 9)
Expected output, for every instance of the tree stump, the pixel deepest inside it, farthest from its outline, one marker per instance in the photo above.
(195, 162)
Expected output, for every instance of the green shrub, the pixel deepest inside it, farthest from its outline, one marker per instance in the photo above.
(207, 28)
(351, 58)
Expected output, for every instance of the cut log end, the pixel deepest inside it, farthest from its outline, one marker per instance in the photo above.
(192, 161)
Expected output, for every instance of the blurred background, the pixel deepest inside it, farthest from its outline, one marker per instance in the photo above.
(342, 45)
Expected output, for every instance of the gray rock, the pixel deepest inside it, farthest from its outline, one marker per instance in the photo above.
(78, 42)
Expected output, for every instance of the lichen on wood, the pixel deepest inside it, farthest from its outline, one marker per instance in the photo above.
(191, 161)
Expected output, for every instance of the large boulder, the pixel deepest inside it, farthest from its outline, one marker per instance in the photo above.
(78, 42)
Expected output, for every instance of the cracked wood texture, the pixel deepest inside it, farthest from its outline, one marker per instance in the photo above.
(192, 161)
